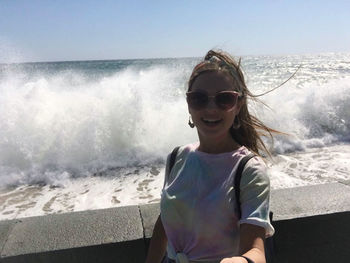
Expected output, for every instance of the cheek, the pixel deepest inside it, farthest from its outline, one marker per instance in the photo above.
(195, 116)
(236, 111)
(231, 118)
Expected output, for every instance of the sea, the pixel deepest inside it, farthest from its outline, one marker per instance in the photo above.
(81, 135)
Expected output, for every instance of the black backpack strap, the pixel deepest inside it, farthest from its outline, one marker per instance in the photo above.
(173, 158)
(237, 181)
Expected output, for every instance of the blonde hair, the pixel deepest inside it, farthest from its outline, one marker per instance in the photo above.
(251, 129)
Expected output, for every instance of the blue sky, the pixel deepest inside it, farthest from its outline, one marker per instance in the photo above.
(80, 30)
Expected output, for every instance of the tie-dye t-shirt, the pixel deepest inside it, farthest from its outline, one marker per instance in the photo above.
(198, 206)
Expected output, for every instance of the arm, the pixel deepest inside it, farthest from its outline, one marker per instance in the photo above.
(251, 245)
(158, 243)
(252, 242)
(254, 223)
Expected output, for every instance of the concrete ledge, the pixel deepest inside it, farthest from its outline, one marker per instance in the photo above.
(128, 251)
(312, 225)
(310, 200)
(67, 236)
(149, 215)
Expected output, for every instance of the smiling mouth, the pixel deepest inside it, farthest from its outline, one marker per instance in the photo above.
(211, 122)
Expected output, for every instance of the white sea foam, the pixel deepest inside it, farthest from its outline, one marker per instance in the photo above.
(66, 124)
(67, 128)
(313, 115)
(142, 185)
(50, 129)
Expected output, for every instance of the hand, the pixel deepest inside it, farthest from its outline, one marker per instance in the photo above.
(234, 260)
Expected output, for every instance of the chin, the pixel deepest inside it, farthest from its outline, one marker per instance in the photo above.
(212, 134)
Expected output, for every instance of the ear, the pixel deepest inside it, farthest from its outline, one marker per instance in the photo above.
(188, 108)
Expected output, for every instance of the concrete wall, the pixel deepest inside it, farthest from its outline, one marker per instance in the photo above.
(312, 225)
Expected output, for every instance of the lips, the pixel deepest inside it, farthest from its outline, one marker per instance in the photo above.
(211, 122)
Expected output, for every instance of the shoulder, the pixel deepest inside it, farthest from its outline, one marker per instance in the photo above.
(178, 154)
(182, 150)
(256, 164)
(255, 172)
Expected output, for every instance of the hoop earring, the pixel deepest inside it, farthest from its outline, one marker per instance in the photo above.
(236, 123)
(190, 123)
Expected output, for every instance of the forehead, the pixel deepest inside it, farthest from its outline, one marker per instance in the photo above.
(213, 81)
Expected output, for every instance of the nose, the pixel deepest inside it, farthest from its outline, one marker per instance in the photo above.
(211, 103)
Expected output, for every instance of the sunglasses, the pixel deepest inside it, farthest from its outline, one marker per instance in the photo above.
(225, 100)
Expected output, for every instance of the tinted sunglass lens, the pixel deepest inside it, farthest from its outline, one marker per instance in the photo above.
(226, 100)
(197, 100)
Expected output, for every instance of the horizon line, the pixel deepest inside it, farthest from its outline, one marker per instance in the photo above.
(180, 57)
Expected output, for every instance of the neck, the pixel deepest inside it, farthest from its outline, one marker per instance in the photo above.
(218, 145)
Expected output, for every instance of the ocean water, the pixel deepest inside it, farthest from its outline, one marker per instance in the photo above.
(95, 134)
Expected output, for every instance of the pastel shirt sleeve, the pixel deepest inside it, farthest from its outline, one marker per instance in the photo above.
(166, 175)
(255, 195)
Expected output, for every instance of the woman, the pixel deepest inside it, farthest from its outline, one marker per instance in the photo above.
(200, 221)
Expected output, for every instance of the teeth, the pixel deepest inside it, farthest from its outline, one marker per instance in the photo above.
(210, 120)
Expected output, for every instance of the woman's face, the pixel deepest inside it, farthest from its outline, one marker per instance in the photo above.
(212, 122)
